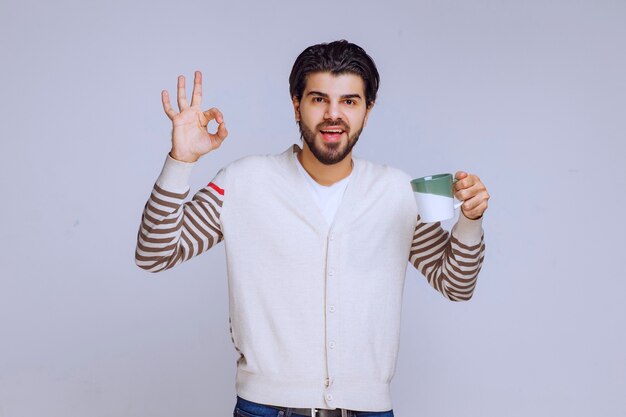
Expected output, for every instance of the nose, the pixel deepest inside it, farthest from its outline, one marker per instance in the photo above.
(332, 111)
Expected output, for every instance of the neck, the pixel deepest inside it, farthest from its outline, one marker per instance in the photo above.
(325, 175)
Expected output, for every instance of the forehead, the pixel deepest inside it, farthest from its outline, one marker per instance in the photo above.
(335, 84)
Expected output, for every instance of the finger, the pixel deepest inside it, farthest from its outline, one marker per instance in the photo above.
(473, 202)
(196, 97)
(470, 192)
(182, 97)
(214, 113)
(167, 106)
(462, 180)
(460, 175)
(221, 133)
(475, 212)
(468, 181)
(461, 184)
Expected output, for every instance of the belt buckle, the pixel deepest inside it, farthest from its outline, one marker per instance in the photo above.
(314, 411)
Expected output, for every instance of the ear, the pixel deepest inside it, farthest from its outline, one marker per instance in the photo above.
(296, 107)
(367, 113)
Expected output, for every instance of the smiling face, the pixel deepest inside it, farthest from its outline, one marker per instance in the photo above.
(332, 113)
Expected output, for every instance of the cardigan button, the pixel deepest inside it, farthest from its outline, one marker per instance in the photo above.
(332, 309)
(331, 345)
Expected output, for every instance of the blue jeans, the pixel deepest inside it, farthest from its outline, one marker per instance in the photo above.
(245, 408)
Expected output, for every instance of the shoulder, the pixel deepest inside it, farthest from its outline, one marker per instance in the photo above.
(247, 163)
(373, 171)
(253, 168)
(253, 164)
(391, 186)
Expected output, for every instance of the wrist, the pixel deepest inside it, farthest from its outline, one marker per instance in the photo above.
(471, 218)
(468, 231)
(190, 159)
(175, 175)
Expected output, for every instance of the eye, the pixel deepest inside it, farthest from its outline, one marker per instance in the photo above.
(318, 99)
(350, 102)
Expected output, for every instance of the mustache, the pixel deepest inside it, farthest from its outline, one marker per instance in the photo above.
(339, 124)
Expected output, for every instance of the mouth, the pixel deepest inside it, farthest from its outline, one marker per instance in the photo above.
(331, 134)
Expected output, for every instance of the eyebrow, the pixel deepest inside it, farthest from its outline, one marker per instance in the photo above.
(345, 96)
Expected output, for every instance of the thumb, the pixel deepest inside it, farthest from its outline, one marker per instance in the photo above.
(460, 175)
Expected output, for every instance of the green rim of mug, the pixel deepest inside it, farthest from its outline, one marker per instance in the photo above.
(440, 184)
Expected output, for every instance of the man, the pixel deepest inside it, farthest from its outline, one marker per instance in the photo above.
(317, 243)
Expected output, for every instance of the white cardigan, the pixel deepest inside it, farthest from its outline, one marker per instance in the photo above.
(314, 310)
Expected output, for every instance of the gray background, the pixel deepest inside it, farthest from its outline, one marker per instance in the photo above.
(530, 95)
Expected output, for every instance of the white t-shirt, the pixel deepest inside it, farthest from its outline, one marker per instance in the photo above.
(328, 198)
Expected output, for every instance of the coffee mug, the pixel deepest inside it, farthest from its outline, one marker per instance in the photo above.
(434, 195)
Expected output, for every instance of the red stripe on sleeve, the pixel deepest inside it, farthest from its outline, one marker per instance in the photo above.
(216, 188)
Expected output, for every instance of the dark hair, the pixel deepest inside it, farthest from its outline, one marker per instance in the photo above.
(338, 57)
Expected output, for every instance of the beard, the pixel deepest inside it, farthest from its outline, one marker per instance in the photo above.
(329, 153)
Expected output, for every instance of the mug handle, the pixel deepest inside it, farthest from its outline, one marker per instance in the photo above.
(460, 203)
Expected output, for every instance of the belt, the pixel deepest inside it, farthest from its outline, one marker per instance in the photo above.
(315, 412)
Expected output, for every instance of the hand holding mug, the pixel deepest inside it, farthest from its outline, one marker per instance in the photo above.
(190, 136)
(435, 195)
(470, 189)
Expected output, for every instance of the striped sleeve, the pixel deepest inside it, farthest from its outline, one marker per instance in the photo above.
(449, 261)
(173, 231)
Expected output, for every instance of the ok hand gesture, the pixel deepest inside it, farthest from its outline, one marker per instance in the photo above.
(190, 137)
